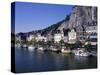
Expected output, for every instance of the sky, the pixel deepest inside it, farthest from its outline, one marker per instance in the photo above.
(35, 16)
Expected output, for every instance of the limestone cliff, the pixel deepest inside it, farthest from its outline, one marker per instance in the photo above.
(80, 18)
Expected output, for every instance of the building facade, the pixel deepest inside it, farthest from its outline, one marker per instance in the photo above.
(72, 36)
(41, 38)
(57, 37)
(92, 35)
(30, 37)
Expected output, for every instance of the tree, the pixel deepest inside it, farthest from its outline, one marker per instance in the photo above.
(66, 44)
(17, 41)
(32, 41)
(88, 46)
(78, 44)
(62, 43)
(67, 17)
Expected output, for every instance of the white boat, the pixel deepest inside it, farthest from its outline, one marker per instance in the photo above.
(64, 50)
(81, 52)
(31, 47)
(24, 46)
(18, 45)
(15, 45)
(53, 49)
(93, 53)
(41, 49)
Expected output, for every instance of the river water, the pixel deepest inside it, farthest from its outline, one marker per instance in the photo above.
(37, 61)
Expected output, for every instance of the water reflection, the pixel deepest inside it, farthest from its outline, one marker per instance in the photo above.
(35, 61)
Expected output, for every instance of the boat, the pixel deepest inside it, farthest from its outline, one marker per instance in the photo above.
(14, 46)
(81, 52)
(41, 48)
(93, 53)
(65, 50)
(52, 48)
(25, 46)
(31, 47)
(17, 45)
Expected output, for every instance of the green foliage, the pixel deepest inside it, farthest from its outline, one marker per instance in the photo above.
(23, 42)
(71, 45)
(17, 41)
(78, 44)
(66, 44)
(52, 27)
(67, 17)
(62, 42)
(31, 42)
(88, 46)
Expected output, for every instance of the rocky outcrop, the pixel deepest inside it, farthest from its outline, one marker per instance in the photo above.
(80, 18)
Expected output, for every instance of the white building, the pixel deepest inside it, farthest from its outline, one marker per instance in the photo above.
(44, 39)
(72, 36)
(57, 37)
(41, 38)
(21, 37)
(62, 35)
(30, 37)
(91, 29)
(50, 37)
(92, 34)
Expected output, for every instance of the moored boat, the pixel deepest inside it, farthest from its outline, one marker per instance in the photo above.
(25, 46)
(54, 49)
(31, 47)
(65, 50)
(17, 45)
(81, 52)
(41, 48)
